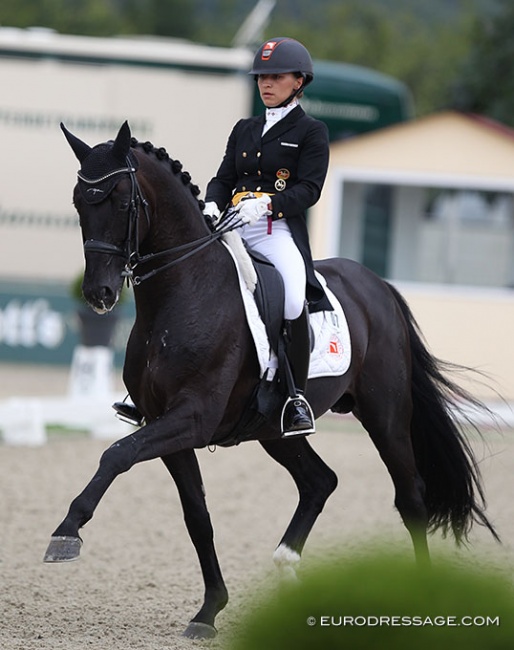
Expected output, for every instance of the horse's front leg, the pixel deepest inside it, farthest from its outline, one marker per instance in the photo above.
(185, 471)
(167, 435)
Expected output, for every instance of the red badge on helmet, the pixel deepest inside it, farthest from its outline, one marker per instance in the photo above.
(267, 50)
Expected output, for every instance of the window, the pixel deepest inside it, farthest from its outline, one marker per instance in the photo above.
(433, 235)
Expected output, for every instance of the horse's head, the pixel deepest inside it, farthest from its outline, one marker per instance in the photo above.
(118, 182)
(105, 198)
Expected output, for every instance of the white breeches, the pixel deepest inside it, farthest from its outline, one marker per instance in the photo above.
(280, 249)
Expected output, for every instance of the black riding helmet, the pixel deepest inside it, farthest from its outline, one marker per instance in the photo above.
(281, 55)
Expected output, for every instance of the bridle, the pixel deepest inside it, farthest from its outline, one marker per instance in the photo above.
(98, 246)
(130, 249)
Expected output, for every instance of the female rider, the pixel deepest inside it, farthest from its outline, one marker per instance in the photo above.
(273, 169)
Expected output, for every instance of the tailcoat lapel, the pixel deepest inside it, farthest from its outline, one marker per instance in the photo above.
(284, 125)
(256, 130)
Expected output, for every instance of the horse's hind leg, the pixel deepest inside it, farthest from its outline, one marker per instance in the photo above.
(183, 467)
(315, 482)
(388, 425)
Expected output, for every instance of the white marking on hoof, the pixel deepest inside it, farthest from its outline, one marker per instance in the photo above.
(286, 560)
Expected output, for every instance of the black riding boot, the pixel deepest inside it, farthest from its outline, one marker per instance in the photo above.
(128, 413)
(297, 415)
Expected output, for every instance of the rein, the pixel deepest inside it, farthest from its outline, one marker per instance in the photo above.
(130, 250)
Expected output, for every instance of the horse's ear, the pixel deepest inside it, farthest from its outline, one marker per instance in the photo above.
(121, 146)
(80, 149)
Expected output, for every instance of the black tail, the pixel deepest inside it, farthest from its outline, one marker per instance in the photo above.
(454, 495)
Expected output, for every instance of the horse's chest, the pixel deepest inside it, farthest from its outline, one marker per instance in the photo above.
(164, 350)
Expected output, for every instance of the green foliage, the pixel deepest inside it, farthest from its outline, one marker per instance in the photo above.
(103, 17)
(402, 44)
(96, 17)
(76, 287)
(448, 52)
(384, 601)
(485, 83)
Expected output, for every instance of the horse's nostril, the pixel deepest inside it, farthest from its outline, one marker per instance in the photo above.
(107, 297)
(107, 294)
(100, 298)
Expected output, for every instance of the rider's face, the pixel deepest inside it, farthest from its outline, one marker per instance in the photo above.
(276, 88)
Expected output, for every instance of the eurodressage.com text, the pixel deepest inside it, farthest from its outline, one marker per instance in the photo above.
(404, 621)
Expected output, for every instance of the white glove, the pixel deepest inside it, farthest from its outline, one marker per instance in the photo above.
(251, 210)
(212, 212)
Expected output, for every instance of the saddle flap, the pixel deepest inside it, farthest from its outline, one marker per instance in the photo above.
(269, 297)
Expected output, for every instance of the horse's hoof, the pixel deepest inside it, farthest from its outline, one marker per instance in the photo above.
(63, 549)
(200, 631)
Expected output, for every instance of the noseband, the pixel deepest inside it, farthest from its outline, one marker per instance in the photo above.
(130, 249)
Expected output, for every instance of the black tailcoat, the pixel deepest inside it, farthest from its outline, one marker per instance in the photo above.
(290, 162)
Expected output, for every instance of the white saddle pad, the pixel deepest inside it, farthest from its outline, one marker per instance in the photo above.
(332, 350)
(332, 344)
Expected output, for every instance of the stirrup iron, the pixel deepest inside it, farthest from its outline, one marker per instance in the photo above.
(128, 413)
(288, 432)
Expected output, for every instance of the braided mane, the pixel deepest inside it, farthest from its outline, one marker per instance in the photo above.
(176, 166)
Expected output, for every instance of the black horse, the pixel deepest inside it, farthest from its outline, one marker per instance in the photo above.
(191, 366)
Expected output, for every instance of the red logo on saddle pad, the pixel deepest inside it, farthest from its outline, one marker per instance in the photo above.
(267, 50)
(335, 346)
